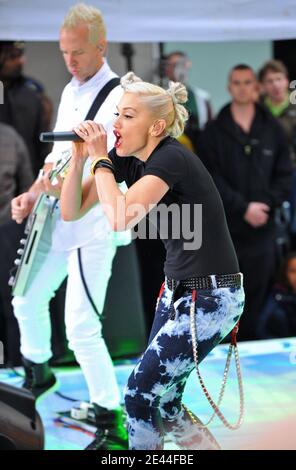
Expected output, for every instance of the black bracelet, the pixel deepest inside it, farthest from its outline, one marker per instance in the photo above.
(104, 164)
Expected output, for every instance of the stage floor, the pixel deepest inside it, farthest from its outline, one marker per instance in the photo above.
(269, 375)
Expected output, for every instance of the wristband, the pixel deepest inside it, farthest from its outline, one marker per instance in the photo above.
(96, 161)
(104, 164)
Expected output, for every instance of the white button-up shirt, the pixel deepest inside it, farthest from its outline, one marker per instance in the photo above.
(75, 103)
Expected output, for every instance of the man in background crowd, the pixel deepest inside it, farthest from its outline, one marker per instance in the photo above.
(25, 106)
(274, 81)
(176, 66)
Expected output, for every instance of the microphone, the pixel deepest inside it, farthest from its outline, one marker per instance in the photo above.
(60, 137)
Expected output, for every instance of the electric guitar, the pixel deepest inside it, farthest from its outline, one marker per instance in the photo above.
(38, 227)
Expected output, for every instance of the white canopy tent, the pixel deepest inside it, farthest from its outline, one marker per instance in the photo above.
(157, 20)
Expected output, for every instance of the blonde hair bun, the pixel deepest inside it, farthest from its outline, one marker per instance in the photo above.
(128, 79)
(178, 92)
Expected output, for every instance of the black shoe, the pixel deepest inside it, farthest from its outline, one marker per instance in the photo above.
(39, 378)
(111, 433)
(66, 359)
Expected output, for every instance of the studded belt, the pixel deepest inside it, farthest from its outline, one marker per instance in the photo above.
(207, 282)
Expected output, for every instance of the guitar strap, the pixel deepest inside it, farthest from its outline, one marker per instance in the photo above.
(99, 100)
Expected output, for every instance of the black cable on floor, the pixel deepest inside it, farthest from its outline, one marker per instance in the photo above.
(18, 374)
(65, 397)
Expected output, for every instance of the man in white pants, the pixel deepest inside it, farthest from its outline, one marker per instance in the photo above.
(81, 249)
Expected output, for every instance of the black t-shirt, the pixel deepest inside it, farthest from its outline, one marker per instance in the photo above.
(196, 235)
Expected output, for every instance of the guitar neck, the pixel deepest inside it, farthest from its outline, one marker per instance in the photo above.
(61, 165)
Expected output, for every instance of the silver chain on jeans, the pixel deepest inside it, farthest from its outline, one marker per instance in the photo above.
(232, 347)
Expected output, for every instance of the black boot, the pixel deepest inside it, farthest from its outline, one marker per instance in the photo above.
(111, 433)
(39, 378)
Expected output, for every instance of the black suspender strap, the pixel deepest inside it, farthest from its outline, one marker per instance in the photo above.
(100, 98)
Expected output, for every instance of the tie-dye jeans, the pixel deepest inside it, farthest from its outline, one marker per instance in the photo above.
(153, 395)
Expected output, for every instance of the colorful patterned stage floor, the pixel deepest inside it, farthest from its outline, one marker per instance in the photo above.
(269, 373)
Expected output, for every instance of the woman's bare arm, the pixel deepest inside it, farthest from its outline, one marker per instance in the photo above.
(124, 211)
(77, 198)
